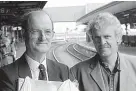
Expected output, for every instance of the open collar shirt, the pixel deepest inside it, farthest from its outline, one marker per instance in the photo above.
(111, 79)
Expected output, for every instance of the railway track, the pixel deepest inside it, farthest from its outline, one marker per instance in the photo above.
(54, 53)
(80, 52)
(75, 53)
(84, 51)
(51, 54)
(69, 54)
(60, 53)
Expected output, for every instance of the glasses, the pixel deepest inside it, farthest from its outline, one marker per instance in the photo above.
(36, 33)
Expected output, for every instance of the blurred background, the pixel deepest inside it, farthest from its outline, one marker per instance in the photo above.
(70, 18)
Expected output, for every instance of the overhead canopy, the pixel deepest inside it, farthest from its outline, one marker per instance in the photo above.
(10, 11)
(124, 10)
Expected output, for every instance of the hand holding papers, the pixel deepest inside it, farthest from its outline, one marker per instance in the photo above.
(68, 86)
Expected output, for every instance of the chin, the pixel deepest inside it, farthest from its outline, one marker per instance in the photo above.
(43, 50)
(105, 54)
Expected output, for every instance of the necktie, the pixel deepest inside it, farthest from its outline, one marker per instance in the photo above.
(42, 73)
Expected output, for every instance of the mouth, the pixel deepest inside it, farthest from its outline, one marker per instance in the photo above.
(103, 47)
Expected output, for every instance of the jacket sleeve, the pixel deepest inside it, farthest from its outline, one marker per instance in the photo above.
(5, 82)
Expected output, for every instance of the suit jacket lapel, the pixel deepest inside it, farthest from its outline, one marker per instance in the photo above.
(23, 68)
(51, 69)
(123, 74)
(97, 74)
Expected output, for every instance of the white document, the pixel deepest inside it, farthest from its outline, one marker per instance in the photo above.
(29, 84)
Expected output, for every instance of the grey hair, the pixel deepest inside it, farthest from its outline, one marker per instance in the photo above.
(103, 20)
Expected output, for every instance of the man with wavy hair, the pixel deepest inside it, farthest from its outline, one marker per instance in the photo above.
(108, 70)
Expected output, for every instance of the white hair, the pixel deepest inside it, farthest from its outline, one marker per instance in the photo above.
(103, 20)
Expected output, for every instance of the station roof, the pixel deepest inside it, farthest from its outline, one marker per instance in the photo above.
(124, 10)
(10, 11)
(65, 14)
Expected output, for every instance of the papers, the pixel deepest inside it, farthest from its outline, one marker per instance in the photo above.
(29, 84)
(68, 86)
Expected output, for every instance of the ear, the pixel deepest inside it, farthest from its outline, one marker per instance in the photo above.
(52, 34)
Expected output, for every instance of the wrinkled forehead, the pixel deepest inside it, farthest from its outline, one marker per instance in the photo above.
(39, 19)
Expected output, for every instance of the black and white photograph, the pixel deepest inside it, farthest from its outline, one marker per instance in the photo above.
(68, 45)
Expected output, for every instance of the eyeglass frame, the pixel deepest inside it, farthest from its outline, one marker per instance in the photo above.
(31, 31)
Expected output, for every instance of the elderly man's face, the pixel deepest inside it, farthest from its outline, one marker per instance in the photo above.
(40, 32)
(105, 41)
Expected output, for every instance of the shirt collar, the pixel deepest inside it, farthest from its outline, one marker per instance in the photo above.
(117, 64)
(34, 64)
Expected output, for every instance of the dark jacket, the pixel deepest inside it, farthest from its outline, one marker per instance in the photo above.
(89, 75)
(20, 69)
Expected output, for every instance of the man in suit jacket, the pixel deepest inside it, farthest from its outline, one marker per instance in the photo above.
(108, 70)
(38, 35)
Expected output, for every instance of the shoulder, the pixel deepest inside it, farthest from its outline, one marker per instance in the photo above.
(80, 69)
(10, 68)
(84, 64)
(8, 75)
(83, 67)
(58, 65)
(130, 64)
(60, 69)
(129, 58)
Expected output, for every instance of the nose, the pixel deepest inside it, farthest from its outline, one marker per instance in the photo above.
(42, 36)
(102, 41)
